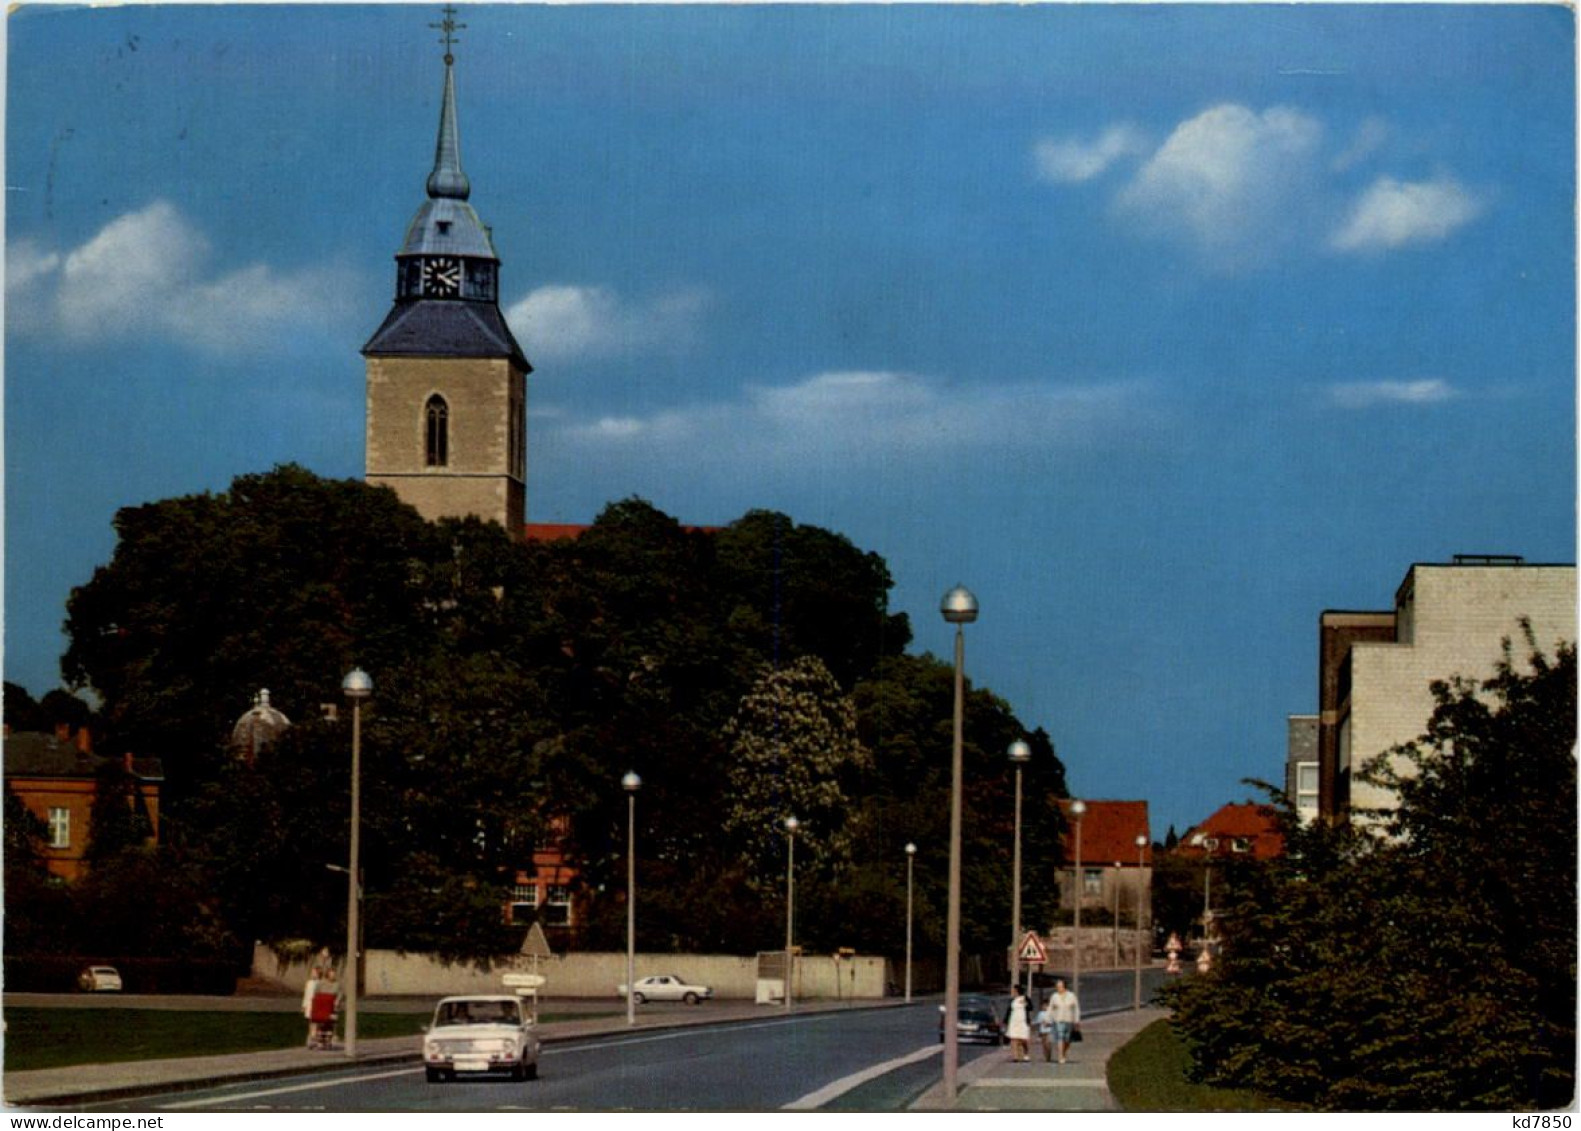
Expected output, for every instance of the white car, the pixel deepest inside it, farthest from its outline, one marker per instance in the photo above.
(99, 979)
(666, 987)
(480, 1034)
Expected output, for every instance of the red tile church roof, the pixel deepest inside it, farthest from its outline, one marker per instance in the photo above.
(552, 531)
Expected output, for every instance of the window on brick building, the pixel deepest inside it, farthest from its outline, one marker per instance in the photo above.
(524, 902)
(557, 906)
(59, 828)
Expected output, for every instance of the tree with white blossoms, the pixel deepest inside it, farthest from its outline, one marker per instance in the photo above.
(794, 751)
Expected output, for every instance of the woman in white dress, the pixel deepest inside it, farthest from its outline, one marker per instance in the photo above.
(1018, 1028)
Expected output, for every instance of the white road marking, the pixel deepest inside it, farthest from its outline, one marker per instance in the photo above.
(814, 1100)
(289, 1088)
(670, 1035)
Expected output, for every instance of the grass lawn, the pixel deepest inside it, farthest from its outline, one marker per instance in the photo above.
(59, 1038)
(1149, 1074)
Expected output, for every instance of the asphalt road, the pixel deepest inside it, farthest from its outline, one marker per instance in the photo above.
(872, 1060)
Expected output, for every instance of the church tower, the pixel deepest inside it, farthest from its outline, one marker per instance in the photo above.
(447, 383)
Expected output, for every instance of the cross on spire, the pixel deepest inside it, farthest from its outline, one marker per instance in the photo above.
(449, 26)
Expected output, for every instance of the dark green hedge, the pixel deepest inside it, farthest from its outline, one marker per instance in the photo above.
(58, 974)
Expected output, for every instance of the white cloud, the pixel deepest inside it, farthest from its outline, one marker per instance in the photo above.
(864, 418)
(1229, 179)
(1072, 161)
(565, 322)
(1394, 214)
(145, 274)
(1368, 139)
(30, 273)
(1369, 394)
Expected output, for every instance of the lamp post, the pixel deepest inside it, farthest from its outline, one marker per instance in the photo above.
(1020, 753)
(1077, 809)
(959, 608)
(911, 858)
(791, 825)
(1141, 887)
(357, 686)
(631, 783)
(1209, 846)
(1118, 871)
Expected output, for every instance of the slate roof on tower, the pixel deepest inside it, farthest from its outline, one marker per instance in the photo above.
(467, 322)
(436, 328)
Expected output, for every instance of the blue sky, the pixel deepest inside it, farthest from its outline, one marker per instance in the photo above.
(1161, 328)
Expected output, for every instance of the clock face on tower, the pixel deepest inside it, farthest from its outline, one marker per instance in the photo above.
(442, 277)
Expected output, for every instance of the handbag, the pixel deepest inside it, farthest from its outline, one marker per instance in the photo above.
(1075, 1033)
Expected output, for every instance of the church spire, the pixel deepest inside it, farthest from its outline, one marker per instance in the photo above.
(447, 179)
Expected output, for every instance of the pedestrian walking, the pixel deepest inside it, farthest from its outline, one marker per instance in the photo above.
(1018, 1028)
(1065, 1013)
(309, 988)
(1043, 1025)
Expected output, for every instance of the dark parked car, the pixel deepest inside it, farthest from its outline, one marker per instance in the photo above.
(976, 1019)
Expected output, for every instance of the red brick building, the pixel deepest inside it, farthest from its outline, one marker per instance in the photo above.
(56, 776)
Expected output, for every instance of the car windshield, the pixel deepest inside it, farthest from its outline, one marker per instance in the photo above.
(478, 1013)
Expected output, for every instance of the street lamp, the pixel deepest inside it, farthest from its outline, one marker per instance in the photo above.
(959, 608)
(791, 825)
(631, 783)
(1020, 753)
(357, 686)
(1117, 886)
(1209, 845)
(1141, 887)
(1077, 808)
(911, 857)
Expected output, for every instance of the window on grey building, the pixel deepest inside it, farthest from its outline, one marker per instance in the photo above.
(1306, 787)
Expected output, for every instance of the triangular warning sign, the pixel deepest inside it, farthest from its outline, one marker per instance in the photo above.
(1032, 950)
(535, 945)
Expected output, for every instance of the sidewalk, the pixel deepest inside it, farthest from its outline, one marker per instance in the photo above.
(96, 1083)
(995, 1083)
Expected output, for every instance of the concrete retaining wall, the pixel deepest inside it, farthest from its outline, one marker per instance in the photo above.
(586, 975)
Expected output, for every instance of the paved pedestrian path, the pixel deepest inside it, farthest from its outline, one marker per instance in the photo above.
(996, 1083)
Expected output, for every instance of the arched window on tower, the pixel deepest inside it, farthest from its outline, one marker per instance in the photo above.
(437, 423)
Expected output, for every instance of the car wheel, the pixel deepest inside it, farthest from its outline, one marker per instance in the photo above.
(639, 998)
(530, 1071)
(518, 1072)
(435, 1076)
(690, 999)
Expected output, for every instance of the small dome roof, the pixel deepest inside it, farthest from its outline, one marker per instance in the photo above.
(258, 727)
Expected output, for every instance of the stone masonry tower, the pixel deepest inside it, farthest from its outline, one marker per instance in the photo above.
(447, 383)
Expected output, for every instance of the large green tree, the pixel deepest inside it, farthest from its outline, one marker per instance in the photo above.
(284, 581)
(514, 685)
(1427, 962)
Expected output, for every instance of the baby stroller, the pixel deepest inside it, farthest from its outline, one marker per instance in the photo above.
(321, 1017)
